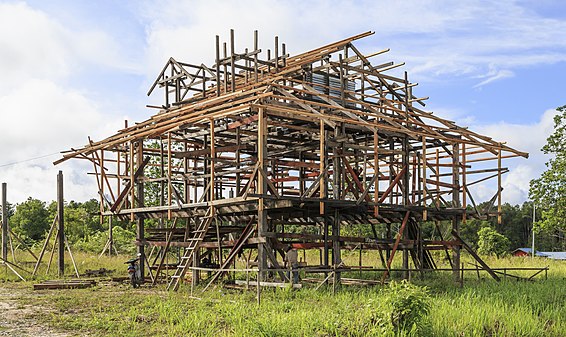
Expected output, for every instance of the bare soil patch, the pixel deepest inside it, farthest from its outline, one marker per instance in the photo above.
(18, 314)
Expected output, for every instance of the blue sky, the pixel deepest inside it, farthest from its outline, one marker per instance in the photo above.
(72, 69)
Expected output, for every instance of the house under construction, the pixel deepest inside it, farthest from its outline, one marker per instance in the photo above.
(262, 150)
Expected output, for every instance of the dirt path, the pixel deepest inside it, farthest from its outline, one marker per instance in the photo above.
(18, 319)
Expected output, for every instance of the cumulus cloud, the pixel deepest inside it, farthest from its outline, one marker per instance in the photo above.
(39, 113)
(33, 45)
(54, 119)
(523, 137)
(436, 38)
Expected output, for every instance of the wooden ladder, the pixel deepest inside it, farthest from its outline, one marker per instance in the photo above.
(187, 258)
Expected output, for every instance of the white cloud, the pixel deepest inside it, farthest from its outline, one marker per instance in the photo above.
(523, 137)
(53, 120)
(436, 38)
(39, 113)
(494, 75)
(33, 45)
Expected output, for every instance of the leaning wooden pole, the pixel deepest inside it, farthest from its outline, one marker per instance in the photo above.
(42, 252)
(61, 220)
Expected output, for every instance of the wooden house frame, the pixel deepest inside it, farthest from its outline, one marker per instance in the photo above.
(250, 146)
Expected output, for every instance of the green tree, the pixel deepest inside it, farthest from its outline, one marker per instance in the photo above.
(491, 242)
(81, 219)
(549, 191)
(30, 220)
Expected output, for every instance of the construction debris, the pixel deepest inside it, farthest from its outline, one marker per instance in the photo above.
(64, 284)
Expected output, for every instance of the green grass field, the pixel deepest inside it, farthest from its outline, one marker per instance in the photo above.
(482, 307)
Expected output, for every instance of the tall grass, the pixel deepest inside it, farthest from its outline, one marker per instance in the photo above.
(482, 307)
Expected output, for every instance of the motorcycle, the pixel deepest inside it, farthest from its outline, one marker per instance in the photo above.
(134, 271)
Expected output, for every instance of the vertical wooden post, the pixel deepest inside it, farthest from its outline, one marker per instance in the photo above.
(169, 174)
(376, 171)
(110, 236)
(322, 166)
(464, 187)
(140, 220)
(196, 273)
(423, 196)
(102, 178)
(238, 160)
(4, 223)
(212, 192)
(61, 220)
(276, 53)
(255, 55)
(406, 198)
(232, 56)
(499, 186)
(437, 162)
(225, 67)
(336, 247)
(262, 227)
(456, 204)
(217, 65)
(118, 174)
(132, 181)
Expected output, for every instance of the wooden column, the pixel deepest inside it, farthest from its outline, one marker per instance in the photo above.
(140, 221)
(196, 263)
(375, 171)
(499, 209)
(4, 223)
(169, 174)
(110, 236)
(61, 220)
(322, 166)
(406, 197)
(337, 177)
(217, 65)
(238, 160)
(232, 62)
(212, 193)
(464, 182)
(423, 195)
(131, 166)
(336, 246)
(262, 227)
(456, 204)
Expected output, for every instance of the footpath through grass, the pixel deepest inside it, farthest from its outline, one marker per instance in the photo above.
(482, 308)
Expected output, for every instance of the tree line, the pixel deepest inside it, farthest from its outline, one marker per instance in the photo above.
(31, 220)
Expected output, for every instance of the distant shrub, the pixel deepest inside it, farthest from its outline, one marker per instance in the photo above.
(492, 243)
(406, 307)
(122, 238)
